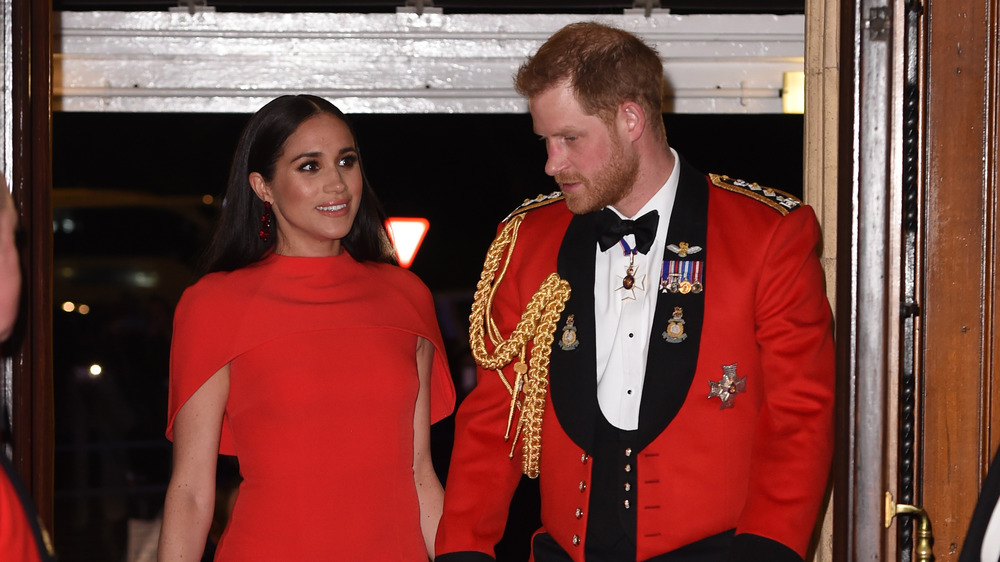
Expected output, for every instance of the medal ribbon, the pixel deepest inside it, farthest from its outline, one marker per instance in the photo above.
(676, 271)
(626, 249)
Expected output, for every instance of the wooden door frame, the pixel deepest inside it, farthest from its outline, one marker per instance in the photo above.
(959, 338)
(864, 299)
(30, 180)
(956, 273)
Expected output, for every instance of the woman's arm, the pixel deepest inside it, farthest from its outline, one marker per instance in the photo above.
(429, 490)
(190, 500)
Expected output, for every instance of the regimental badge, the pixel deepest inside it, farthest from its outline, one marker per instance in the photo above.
(728, 386)
(568, 341)
(682, 276)
(675, 327)
(683, 249)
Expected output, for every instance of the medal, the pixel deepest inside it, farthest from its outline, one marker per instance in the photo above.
(728, 386)
(682, 276)
(629, 282)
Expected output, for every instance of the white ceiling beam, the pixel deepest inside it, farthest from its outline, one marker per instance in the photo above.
(393, 63)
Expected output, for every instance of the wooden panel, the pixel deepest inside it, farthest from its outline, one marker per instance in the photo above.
(960, 192)
(991, 439)
(31, 185)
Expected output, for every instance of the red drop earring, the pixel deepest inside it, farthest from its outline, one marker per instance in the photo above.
(265, 223)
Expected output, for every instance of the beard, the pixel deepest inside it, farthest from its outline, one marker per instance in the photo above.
(608, 185)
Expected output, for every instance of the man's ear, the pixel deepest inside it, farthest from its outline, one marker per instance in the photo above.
(260, 186)
(633, 119)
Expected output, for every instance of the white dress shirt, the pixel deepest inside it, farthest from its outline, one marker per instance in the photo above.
(624, 318)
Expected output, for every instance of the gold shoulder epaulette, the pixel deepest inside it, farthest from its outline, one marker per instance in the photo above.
(778, 200)
(540, 201)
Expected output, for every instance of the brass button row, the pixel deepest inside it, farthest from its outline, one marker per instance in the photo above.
(584, 457)
(628, 468)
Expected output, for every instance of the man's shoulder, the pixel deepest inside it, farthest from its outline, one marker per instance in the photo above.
(552, 201)
(776, 199)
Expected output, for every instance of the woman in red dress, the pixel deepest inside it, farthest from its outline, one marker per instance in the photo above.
(307, 353)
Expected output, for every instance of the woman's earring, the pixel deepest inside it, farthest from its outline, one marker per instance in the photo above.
(265, 223)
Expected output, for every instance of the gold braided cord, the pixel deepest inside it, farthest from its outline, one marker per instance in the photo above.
(537, 324)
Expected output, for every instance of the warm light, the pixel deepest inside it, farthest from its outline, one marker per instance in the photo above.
(406, 234)
(95, 370)
(68, 307)
(793, 97)
(83, 309)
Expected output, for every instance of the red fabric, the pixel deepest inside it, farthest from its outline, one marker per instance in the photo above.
(323, 384)
(760, 467)
(17, 540)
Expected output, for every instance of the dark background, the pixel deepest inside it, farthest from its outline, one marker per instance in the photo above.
(464, 173)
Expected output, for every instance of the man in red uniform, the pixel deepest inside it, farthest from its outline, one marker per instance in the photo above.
(654, 344)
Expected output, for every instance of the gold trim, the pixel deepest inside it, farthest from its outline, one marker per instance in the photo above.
(539, 201)
(537, 325)
(773, 198)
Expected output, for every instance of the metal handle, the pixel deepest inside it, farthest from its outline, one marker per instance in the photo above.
(925, 536)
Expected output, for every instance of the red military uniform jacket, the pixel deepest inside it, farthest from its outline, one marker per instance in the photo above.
(22, 537)
(736, 420)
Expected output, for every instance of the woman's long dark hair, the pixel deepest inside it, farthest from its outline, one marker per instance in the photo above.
(236, 242)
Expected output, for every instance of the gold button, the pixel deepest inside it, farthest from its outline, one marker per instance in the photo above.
(628, 486)
(583, 458)
(628, 468)
(583, 485)
(628, 451)
(579, 512)
(576, 540)
(627, 504)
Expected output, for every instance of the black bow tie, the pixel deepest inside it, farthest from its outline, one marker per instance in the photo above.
(611, 228)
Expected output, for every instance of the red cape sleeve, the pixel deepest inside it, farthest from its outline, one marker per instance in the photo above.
(203, 334)
(442, 384)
